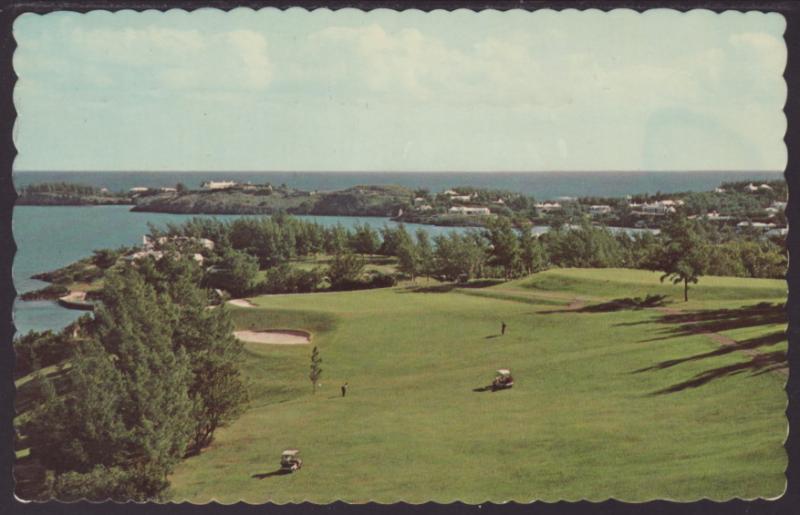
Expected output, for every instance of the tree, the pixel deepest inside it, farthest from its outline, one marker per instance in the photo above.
(316, 369)
(365, 240)
(345, 268)
(683, 256)
(459, 257)
(424, 253)
(235, 272)
(505, 250)
(125, 401)
(409, 261)
(533, 254)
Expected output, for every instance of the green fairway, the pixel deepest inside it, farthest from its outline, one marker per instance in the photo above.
(631, 404)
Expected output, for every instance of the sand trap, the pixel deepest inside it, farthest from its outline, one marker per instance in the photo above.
(274, 337)
(242, 303)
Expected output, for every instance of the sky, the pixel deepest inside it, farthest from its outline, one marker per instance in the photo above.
(294, 90)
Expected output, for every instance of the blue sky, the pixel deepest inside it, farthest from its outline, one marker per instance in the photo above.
(386, 91)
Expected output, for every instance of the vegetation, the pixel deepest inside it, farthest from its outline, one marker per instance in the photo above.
(657, 413)
(316, 369)
(68, 194)
(148, 380)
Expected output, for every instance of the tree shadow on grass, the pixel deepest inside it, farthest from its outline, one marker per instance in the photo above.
(757, 365)
(265, 475)
(627, 303)
(448, 287)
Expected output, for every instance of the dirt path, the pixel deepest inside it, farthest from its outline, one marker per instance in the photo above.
(720, 339)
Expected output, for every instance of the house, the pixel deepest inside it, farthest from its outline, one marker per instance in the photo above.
(751, 188)
(218, 185)
(168, 190)
(719, 190)
(548, 206)
(149, 244)
(466, 210)
(424, 207)
(755, 225)
(499, 202)
(599, 209)
(658, 208)
(419, 200)
(139, 189)
(765, 187)
(450, 193)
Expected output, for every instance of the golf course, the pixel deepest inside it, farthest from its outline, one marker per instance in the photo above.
(612, 397)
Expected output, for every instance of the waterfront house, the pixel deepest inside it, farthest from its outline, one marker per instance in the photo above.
(139, 189)
(547, 207)
(471, 211)
(218, 185)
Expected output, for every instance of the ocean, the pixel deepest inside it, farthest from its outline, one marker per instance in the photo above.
(540, 185)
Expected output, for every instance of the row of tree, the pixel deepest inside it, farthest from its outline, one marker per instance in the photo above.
(500, 250)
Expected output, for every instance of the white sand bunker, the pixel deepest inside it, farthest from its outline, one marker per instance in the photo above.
(274, 336)
(242, 303)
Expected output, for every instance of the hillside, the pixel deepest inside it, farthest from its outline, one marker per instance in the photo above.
(634, 404)
(355, 201)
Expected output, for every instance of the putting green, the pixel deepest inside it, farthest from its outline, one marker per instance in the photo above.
(630, 404)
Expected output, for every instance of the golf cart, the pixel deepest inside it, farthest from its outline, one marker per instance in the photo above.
(503, 380)
(290, 460)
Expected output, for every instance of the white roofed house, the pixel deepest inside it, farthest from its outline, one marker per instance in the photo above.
(547, 207)
(469, 211)
(599, 209)
(751, 188)
(139, 189)
(218, 185)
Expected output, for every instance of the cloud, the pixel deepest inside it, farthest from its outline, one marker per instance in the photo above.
(153, 58)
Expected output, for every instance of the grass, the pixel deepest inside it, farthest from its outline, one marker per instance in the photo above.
(606, 404)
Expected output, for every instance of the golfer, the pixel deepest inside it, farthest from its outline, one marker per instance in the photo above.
(344, 389)
(502, 328)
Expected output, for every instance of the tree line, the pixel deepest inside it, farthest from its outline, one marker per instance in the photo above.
(245, 246)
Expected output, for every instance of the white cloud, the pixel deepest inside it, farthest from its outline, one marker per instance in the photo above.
(173, 58)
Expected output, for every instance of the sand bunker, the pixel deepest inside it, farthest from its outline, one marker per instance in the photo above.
(274, 337)
(242, 303)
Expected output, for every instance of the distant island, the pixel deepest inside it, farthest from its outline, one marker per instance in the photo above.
(748, 203)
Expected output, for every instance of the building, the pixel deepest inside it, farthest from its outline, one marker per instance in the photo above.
(169, 190)
(765, 187)
(450, 193)
(471, 211)
(751, 188)
(218, 185)
(424, 207)
(599, 209)
(547, 207)
(139, 189)
(755, 225)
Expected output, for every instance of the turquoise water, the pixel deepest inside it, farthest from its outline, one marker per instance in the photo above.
(51, 237)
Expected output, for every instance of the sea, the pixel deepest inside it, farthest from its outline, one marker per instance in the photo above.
(51, 237)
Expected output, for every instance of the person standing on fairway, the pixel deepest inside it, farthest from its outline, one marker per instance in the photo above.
(502, 328)
(344, 389)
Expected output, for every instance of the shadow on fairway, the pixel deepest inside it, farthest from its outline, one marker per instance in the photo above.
(265, 475)
(752, 343)
(627, 303)
(711, 323)
(757, 365)
(445, 288)
(716, 320)
(492, 336)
